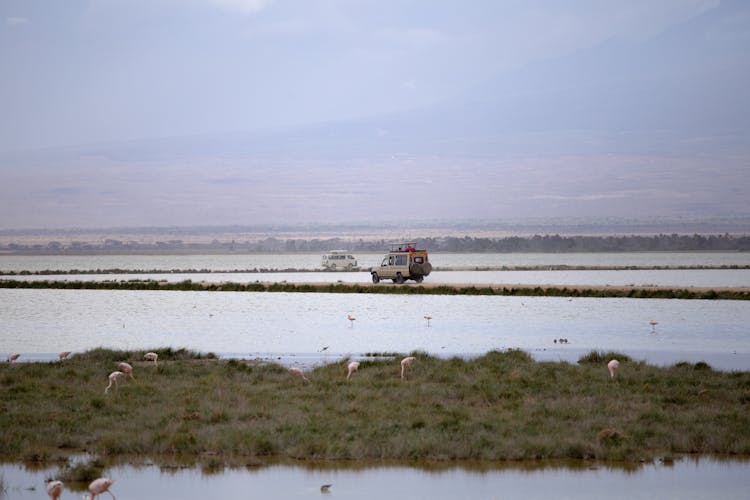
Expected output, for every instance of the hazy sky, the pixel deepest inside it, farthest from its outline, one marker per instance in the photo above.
(214, 112)
(87, 71)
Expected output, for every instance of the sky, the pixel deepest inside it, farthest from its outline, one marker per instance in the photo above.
(118, 113)
(88, 71)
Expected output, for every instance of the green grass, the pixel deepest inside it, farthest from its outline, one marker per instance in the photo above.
(409, 289)
(501, 406)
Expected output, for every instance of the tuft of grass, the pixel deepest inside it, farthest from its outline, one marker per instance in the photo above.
(500, 406)
(82, 472)
(600, 357)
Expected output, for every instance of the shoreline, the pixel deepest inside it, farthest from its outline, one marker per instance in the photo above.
(606, 291)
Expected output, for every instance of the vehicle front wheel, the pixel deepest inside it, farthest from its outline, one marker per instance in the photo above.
(399, 278)
(419, 279)
(375, 278)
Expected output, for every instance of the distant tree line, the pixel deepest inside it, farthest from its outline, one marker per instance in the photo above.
(516, 244)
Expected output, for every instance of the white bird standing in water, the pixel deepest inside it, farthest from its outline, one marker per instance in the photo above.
(351, 319)
(54, 489)
(428, 318)
(613, 366)
(297, 372)
(404, 363)
(99, 486)
(151, 356)
(352, 367)
(126, 368)
(653, 324)
(113, 378)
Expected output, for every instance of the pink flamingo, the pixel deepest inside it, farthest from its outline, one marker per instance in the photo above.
(613, 366)
(126, 368)
(113, 378)
(298, 373)
(151, 356)
(352, 367)
(404, 363)
(13, 357)
(63, 355)
(351, 319)
(54, 489)
(99, 486)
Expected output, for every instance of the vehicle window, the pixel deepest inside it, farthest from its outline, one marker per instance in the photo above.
(419, 259)
(400, 260)
(390, 260)
(385, 262)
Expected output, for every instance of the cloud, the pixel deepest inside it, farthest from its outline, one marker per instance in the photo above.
(248, 7)
(15, 21)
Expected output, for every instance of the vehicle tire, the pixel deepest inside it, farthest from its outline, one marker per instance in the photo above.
(415, 269)
(349, 267)
(375, 278)
(426, 269)
(333, 267)
(399, 278)
(419, 279)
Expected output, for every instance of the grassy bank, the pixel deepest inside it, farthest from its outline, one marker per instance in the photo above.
(386, 288)
(502, 406)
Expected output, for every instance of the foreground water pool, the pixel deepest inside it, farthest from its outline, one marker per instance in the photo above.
(705, 478)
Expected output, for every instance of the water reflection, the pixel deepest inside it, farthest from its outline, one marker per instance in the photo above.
(684, 479)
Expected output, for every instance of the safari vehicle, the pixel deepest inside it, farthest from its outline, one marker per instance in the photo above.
(337, 260)
(403, 262)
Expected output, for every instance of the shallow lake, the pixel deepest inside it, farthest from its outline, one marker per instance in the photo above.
(297, 326)
(705, 478)
(294, 329)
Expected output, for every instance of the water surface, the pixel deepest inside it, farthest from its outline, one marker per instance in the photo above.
(705, 478)
(250, 324)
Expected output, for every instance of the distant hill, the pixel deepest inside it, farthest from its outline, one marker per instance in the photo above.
(628, 129)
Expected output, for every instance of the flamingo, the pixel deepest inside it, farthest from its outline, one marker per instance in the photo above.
(99, 486)
(54, 489)
(126, 368)
(13, 357)
(298, 373)
(151, 356)
(113, 377)
(326, 488)
(653, 324)
(613, 366)
(63, 355)
(404, 363)
(352, 367)
(351, 319)
(428, 318)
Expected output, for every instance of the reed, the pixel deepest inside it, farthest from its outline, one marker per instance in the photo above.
(500, 406)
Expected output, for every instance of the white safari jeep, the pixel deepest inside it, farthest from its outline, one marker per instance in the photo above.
(403, 262)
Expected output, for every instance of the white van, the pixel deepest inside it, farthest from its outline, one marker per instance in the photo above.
(338, 260)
